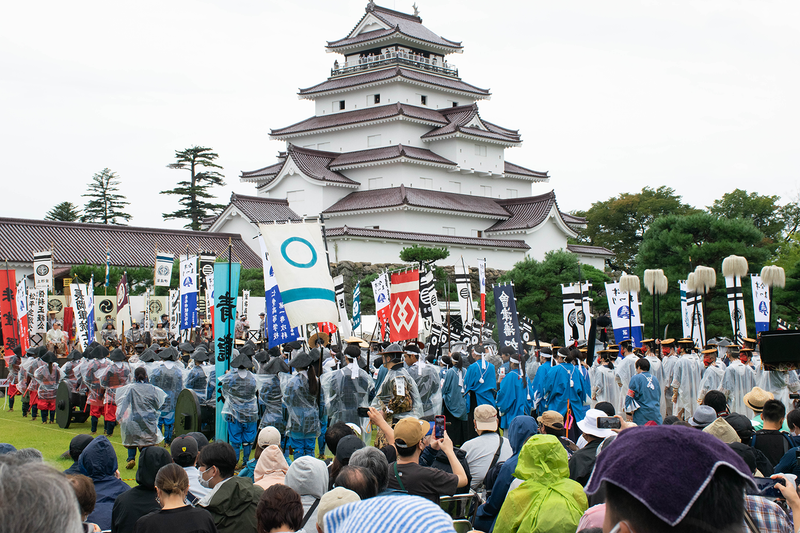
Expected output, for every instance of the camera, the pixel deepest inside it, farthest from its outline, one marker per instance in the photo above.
(363, 412)
(608, 422)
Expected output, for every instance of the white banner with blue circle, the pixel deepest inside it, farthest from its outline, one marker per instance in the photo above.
(300, 264)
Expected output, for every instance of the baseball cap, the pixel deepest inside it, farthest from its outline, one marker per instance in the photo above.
(183, 445)
(486, 418)
(410, 430)
(269, 436)
(347, 446)
(551, 419)
(331, 500)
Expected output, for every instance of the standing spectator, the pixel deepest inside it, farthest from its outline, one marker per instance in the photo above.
(141, 499)
(309, 478)
(280, 509)
(233, 500)
(175, 515)
(99, 462)
(488, 448)
(184, 452)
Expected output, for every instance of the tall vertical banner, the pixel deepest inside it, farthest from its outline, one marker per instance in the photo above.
(298, 257)
(174, 312)
(692, 310)
(90, 303)
(163, 269)
(429, 302)
(188, 289)
(585, 312)
(570, 303)
(43, 270)
(206, 271)
(226, 288)
(482, 283)
(108, 265)
(37, 299)
(624, 310)
(210, 299)
(22, 314)
(80, 307)
(245, 304)
(279, 330)
(123, 305)
(380, 290)
(508, 330)
(464, 288)
(344, 322)
(760, 304)
(147, 317)
(736, 306)
(357, 306)
(404, 314)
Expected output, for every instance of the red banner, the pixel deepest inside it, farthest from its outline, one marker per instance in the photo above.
(69, 323)
(404, 314)
(8, 308)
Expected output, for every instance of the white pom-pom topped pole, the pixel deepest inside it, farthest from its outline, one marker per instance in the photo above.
(656, 284)
(733, 268)
(773, 276)
(629, 284)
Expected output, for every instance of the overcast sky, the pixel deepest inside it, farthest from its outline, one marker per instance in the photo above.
(609, 97)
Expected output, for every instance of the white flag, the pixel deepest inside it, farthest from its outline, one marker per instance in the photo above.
(760, 303)
(43, 270)
(174, 312)
(80, 305)
(464, 287)
(299, 261)
(164, 262)
(736, 306)
(344, 322)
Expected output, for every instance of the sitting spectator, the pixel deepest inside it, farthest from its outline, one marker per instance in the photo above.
(702, 417)
(711, 476)
(374, 460)
(309, 478)
(407, 475)
(521, 429)
(335, 433)
(35, 497)
(233, 500)
(279, 509)
(793, 422)
(98, 461)
(607, 408)
(6, 448)
(271, 468)
(542, 498)
(744, 430)
(175, 515)
(358, 479)
(266, 437)
(141, 499)
(201, 439)
(344, 449)
(552, 423)
(581, 463)
(184, 453)
(723, 431)
(755, 400)
(771, 440)
(717, 401)
(488, 448)
(333, 499)
(76, 446)
(29, 455)
(438, 459)
(84, 490)
(409, 514)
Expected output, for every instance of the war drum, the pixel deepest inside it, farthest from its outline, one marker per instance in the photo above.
(70, 406)
(191, 415)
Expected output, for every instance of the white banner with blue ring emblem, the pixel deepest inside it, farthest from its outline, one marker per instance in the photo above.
(297, 254)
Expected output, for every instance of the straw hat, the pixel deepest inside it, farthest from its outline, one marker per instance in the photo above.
(756, 398)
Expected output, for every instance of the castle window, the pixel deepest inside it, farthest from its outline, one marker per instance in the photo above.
(373, 140)
(423, 99)
(449, 231)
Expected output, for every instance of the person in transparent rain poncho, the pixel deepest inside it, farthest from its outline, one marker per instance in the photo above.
(48, 377)
(240, 407)
(91, 372)
(169, 378)
(72, 371)
(687, 378)
(138, 406)
(426, 376)
(305, 405)
(346, 390)
(26, 383)
(397, 397)
(712, 376)
(780, 383)
(197, 378)
(738, 379)
(112, 377)
(272, 377)
(668, 363)
(604, 382)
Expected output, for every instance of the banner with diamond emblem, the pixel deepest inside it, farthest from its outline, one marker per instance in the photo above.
(404, 313)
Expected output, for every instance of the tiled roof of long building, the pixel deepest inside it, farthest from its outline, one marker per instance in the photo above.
(425, 237)
(264, 209)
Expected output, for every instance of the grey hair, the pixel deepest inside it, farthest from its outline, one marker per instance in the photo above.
(29, 455)
(375, 461)
(36, 497)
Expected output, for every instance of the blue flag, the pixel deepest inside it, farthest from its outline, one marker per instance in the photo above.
(357, 306)
(189, 292)
(226, 289)
(505, 305)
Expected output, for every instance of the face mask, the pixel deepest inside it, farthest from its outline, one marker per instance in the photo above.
(201, 480)
(743, 359)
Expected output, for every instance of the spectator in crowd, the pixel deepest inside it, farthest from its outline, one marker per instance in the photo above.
(141, 499)
(6, 448)
(542, 498)
(409, 514)
(84, 490)
(267, 436)
(175, 515)
(279, 509)
(76, 446)
(582, 461)
(336, 498)
(344, 450)
(717, 401)
(771, 440)
(233, 500)
(552, 423)
(358, 479)
(271, 467)
(710, 475)
(407, 475)
(309, 478)
(184, 451)
(744, 429)
(29, 455)
(702, 417)
(722, 430)
(98, 461)
(34, 497)
(522, 428)
(375, 461)
(488, 448)
(336, 432)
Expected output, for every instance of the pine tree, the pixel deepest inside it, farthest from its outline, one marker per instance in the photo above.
(105, 205)
(193, 192)
(65, 212)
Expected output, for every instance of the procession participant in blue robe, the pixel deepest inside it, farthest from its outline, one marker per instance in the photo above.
(644, 395)
(240, 407)
(455, 404)
(480, 386)
(536, 385)
(567, 390)
(513, 399)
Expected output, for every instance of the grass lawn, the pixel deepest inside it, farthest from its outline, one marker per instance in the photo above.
(51, 440)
